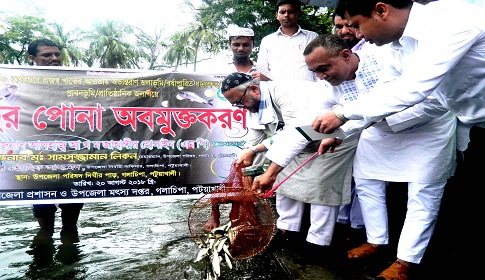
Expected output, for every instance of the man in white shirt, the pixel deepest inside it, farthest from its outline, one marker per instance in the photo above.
(280, 55)
(347, 32)
(352, 231)
(448, 62)
(454, 69)
(241, 43)
(325, 181)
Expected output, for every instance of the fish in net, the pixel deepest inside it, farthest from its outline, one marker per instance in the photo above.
(235, 212)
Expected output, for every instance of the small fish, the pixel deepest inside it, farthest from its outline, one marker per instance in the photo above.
(215, 249)
(228, 260)
(201, 254)
(226, 250)
(191, 96)
(216, 263)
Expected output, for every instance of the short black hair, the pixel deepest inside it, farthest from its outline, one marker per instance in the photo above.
(34, 45)
(365, 8)
(295, 3)
(334, 44)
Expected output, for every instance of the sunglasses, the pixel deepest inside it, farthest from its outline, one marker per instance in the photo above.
(240, 104)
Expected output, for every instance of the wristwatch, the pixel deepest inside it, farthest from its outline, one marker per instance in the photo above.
(253, 148)
(338, 111)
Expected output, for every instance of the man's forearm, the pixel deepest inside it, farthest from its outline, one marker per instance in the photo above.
(274, 169)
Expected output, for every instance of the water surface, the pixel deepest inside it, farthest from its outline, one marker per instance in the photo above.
(117, 240)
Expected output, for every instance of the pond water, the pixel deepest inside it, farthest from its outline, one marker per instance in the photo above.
(117, 240)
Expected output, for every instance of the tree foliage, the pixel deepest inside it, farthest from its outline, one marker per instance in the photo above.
(180, 51)
(260, 16)
(19, 31)
(109, 47)
(113, 44)
(68, 41)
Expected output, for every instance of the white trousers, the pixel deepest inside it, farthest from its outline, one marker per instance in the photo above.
(322, 219)
(351, 214)
(423, 205)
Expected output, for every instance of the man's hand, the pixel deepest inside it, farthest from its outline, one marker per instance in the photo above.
(263, 183)
(246, 158)
(260, 76)
(328, 144)
(326, 122)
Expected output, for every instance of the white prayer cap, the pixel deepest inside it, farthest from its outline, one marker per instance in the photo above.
(239, 31)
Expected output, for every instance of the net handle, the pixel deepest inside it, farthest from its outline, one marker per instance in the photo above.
(270, 192)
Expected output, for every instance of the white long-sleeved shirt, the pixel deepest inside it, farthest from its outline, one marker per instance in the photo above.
(289, 142)
(441, 55)
(280, 57)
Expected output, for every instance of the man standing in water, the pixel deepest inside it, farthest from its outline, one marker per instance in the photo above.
(44, 52)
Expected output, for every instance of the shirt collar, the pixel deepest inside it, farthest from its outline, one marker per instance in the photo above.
(415, 27)
(279, 32)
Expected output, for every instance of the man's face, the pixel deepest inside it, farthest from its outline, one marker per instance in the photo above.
(287, 15)
(333, 69)
(47, 56)
(248, 99)
(374, 29)
(241, 47)
(345, 31)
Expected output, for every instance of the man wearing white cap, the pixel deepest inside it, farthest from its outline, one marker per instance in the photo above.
(241, 43)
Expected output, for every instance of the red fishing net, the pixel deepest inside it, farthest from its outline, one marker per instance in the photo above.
(251, 217)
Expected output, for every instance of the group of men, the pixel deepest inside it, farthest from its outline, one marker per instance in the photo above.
(398, 103)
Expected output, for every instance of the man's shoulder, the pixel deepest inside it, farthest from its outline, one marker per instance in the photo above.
(308, 33)
(267, 40)
(270, 35)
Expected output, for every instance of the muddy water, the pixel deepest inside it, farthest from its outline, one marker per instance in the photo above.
(118, 240)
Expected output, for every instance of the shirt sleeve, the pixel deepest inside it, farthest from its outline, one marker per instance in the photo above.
(262, 65)
(416, 115)
(291, 142)
(423, 68)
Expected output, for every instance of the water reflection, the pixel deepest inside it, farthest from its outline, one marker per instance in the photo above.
(118, 240)
(51, 260)
(122, 241)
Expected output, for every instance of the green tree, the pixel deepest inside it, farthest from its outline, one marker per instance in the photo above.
(153, 45)
(203, 36)
(109, 47)
(116, 45)
(180, 51)
(68, 42)
(18, 32)
(259, 15)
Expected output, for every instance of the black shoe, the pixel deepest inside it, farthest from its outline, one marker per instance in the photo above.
(346, 237)
(356, 237)
(312, 254)
(42, 238)
(285, 239)
(69, 237)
